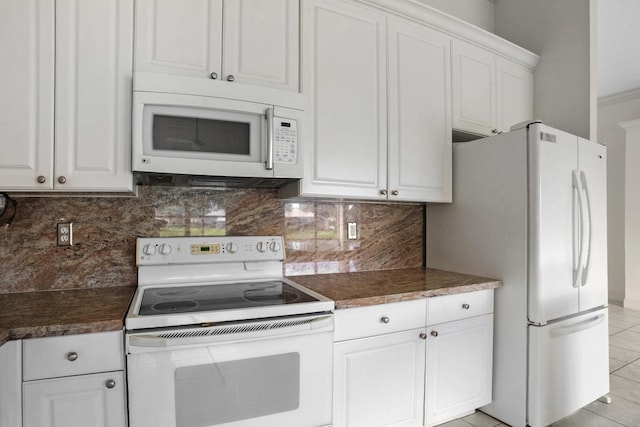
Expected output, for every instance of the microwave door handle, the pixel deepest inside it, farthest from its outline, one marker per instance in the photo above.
(269, 162)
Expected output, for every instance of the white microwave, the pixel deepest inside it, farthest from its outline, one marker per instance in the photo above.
(191, 126)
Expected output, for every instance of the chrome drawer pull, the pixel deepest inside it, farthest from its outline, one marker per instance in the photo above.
(110, 383)
(466, 306)
(385, 319)
(434, 333)
(72, 356)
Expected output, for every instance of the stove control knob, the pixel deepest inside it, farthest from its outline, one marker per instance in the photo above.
(274, 246)
(164, 249)
(149, 249)
(232, 247)
(262, 247)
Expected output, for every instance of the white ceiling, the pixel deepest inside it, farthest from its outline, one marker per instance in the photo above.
(618, 35)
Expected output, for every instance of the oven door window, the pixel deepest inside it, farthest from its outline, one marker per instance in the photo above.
(202, 133)
(225, 392)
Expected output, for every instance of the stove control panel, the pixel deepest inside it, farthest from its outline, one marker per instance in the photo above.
(205, 250)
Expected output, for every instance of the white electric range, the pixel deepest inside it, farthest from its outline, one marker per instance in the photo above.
(216, 336)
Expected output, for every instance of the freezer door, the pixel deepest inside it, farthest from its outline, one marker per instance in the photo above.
(553, 162)
(592, 162)
(568, 366)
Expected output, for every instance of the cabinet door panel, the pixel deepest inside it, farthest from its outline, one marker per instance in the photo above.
(26, 91)
(179, 37)
(93, 94)
(261, 42)
(419, 113)
(474, 94)
(344, 78)
(459, 368)
(378, 381)
(77, 401)
(515, 94)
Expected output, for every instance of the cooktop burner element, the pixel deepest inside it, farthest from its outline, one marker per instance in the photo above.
(194, 280)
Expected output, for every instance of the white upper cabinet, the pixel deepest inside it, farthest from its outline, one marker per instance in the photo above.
(344, 85)
(419, 113)
(27, 50)
(490, 93)
(252, 42)
(373, 133)
(84, 50)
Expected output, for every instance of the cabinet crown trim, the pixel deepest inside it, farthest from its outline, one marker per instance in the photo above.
(441, 21)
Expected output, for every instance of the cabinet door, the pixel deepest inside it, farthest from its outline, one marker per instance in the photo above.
(181, 37)
(261, 42)
(459, 368)
(11, 384)
(474, 89)
(419, 113)
(379, 381)
(344, 82)
(94, 42)
(26, 94)
(515, 94)
(77, 401)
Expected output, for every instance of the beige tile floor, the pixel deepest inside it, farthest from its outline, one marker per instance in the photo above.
(624, 368)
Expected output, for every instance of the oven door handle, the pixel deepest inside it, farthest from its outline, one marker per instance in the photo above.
(233, 332)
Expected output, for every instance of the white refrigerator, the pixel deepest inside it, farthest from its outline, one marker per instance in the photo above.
(529, 208)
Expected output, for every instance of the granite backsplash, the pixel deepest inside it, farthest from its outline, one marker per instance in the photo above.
(105, 229)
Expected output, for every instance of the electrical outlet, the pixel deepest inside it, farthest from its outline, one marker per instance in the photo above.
(65, 233)
(352, 231)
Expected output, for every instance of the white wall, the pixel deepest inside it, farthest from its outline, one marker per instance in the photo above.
(565, 78)
(480, 13)
(611, 112)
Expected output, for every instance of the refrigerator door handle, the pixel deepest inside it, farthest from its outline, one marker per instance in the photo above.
(580, 326)
(587, 257)
(578, 265)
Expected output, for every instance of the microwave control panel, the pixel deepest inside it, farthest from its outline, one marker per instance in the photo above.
(285, 140)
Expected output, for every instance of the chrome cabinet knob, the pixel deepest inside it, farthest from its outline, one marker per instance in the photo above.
(110, 383)
(385, 319)
(495, 131)
(62, 179)
(214, 75)
(394, 192)
(383, 192)
(423, 336)
(466, 306)
(72, 356)
(434, 333)
(230, 78)
(41, 179)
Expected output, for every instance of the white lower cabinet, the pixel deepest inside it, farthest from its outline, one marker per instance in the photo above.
(74, 381)
(414, 363)
(95, 400)
(10, 384)
(378, 380)
(459, 368)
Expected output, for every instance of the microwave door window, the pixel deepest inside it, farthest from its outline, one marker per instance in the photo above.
(199, 135)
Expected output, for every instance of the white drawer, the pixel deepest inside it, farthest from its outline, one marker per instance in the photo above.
(459, 306)
(72, 355)
(379, 319)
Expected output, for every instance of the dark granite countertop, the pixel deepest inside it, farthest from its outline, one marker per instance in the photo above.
(379, 287)
(68, 312)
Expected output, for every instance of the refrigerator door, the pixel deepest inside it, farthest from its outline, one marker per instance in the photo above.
(568, 366)
(553, 162)
(592, 161)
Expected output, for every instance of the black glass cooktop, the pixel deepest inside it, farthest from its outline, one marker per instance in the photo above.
(185, 299)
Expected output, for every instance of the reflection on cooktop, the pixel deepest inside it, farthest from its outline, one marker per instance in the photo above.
(184, 299)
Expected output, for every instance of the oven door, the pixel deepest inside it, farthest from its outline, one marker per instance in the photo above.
(267, 373)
